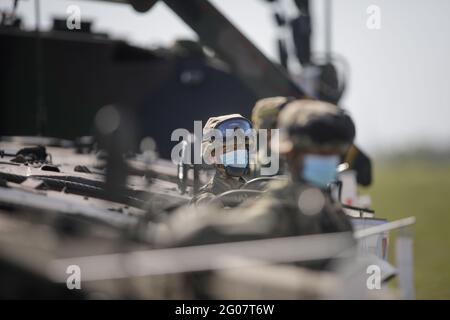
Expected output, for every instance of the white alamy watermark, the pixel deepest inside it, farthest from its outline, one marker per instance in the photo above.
(374, 280)
(374, 17)
(73, 20)
(73, 281)
(262, 147)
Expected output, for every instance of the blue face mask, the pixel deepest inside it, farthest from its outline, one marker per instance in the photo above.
(235, 162)
(319, 170)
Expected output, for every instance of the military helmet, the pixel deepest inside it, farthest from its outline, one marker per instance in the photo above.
(265, 112)
(225, 124)
(311, 123)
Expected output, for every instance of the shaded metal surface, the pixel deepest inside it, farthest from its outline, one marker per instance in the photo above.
(216, 32)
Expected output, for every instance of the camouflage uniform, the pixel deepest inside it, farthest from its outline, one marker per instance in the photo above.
(265, 112)
(264, 116)
(276, 214)
(288, 208)
(221, 182)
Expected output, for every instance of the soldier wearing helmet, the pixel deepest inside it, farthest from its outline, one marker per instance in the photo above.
(264, 116)
(314, 136)
(225, 145)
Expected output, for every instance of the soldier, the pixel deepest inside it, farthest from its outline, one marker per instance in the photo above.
(264, 116)
(315, 135)
(230, 158)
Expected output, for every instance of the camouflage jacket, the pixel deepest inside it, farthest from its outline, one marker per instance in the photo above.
(286, 209)
(255, 168)
(220, 183)
(277, 213)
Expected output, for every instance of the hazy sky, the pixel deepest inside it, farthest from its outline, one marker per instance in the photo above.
(398, 93)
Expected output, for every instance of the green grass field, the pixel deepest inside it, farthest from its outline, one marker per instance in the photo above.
(420, 189)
